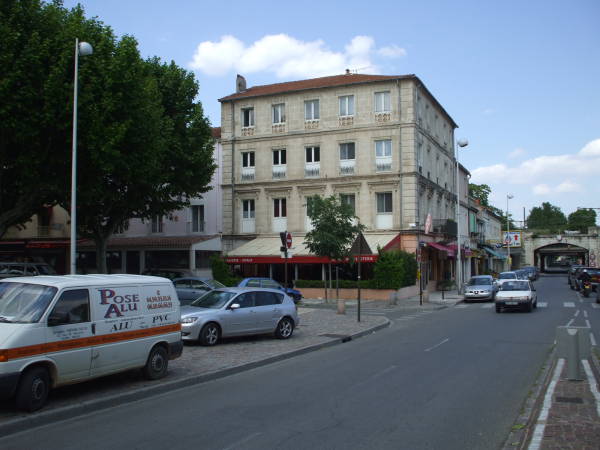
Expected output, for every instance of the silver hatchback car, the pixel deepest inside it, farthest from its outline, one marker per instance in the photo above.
(238, 311)
(480, 287)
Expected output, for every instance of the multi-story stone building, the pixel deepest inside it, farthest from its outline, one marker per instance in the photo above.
(384, 144)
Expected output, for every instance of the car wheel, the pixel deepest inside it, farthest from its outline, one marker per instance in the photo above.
(157, 363)
(284, 329)
(209, 334)
(529, 307)
(33, 389)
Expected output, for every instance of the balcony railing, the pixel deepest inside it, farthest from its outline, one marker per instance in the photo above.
(279, 172)
(383, 164)
(347, 166)
(248, 173)
(445, 226)
(312, 170)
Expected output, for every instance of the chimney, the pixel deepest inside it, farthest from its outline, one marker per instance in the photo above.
(348, 72)
(240, 84)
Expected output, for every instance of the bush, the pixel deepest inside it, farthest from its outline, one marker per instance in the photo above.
(395, 270)
(222, 272)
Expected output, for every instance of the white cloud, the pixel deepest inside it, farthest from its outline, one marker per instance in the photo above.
(541, 189)
(517, 152)
(591, 149)
(488, 111)
(392, 51)
(569, 186)
(287, 57)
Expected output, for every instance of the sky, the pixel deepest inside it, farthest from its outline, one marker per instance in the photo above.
(520, 78)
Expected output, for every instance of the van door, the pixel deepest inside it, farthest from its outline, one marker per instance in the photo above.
(117, 314)
(68, 335)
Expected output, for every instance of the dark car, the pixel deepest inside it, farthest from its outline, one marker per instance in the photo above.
(532, 272)
(571, 274)
(190, 288)
(575, 281)
(271, 284)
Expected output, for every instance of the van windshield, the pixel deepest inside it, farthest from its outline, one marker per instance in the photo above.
(23, 302)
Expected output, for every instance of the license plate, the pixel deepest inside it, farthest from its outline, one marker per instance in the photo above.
(512, 303)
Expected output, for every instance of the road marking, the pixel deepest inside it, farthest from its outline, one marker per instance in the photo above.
(592, 339)
(592, 382)
(577, 312)
(595, 305)
(242, 441)
(585, 314)
(570, 322)
(538, 433)
(488, 306)
(587, 322)
(462, 306)
(437, 345)
(569, 304)
(542, 304)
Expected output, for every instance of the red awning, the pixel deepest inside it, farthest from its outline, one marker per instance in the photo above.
(292, 260)
(441, 248)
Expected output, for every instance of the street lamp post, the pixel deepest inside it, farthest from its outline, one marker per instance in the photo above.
(83, 49)
(507, 239)
(461, 143)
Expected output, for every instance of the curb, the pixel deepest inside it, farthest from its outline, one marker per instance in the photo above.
(26, 422)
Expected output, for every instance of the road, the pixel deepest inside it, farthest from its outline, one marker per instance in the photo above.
(452, 379)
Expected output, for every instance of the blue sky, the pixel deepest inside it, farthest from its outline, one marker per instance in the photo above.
(520, 78)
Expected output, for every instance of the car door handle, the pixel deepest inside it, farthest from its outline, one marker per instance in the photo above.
(93, 328)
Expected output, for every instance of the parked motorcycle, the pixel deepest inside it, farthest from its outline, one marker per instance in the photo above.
(586, 288)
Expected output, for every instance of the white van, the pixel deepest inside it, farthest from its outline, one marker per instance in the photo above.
(57, 330)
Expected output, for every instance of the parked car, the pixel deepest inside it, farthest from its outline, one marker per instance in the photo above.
(516, 294)
(24, 269)
(271, 284)
(522, 274)
(190, 288)
(238, 311)
(506, 276)
(571, 274)
(480, 287)
(171, 274)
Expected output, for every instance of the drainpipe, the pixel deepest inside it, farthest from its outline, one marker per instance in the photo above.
(232, 172)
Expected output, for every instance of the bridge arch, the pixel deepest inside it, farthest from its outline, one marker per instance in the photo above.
(558, 257)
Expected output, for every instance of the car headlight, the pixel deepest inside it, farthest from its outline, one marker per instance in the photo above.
(189, 319)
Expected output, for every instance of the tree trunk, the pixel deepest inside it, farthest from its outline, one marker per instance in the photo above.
(330, 277)
(325, 284)
(101, 244)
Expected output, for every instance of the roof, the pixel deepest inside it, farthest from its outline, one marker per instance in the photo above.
(312, 83)
(347, 79)
(64, 281)
(216, 132)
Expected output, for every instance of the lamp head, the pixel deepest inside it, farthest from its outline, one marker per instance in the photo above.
(462, 142)
(509, 196)
(85, 49)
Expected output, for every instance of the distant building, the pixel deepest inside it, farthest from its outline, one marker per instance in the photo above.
(383, 144)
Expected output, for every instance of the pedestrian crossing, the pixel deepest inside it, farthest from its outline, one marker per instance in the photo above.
(568, 305)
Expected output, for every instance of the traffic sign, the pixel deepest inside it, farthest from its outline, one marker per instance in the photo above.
(288, 240)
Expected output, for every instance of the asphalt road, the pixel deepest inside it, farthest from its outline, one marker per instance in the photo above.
(449, 379)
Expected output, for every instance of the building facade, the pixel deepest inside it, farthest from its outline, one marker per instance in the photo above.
(383, 144)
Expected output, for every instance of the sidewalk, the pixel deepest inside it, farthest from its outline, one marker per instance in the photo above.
(318, 328)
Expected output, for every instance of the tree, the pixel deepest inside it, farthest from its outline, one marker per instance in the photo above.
(547, 217)
(480, 192)
(144, 145)
(334, 229)
(582, 219)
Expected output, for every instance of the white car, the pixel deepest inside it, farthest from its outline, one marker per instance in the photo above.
(506, 276)
(516, 294)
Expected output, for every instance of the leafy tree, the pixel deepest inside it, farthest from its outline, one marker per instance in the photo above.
(144, 145)
(582, 219)
(546, 217)
(333, 229)
(222, 272)
(481, 192)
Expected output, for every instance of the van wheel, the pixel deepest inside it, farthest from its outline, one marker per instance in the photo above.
(209, 334)
(157, 364)
(284, 329)
(33, 389)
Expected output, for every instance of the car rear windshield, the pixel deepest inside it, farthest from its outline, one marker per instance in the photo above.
(515, 286)
(213, 299)
(23, 302)
(507, 276)
(214, 284)
(480, 282)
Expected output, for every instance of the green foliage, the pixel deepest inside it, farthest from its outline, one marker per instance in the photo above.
(394, 270)
(547, 217)
(582, 219)
(222, 272)
(480, 192)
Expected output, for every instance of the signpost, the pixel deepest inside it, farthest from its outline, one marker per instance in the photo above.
(286, 243)
(360, 245)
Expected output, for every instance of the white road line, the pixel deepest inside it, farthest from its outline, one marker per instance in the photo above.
(437, 345)
(487, 306)
(538, 433)
(592, 339)
(461, 306)
(587, 322)
(242, 441)
(542, 304)
(592, 383)
(595, 305)
(577, 312)
(569, 304)
(570, 322)
(585, 314)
